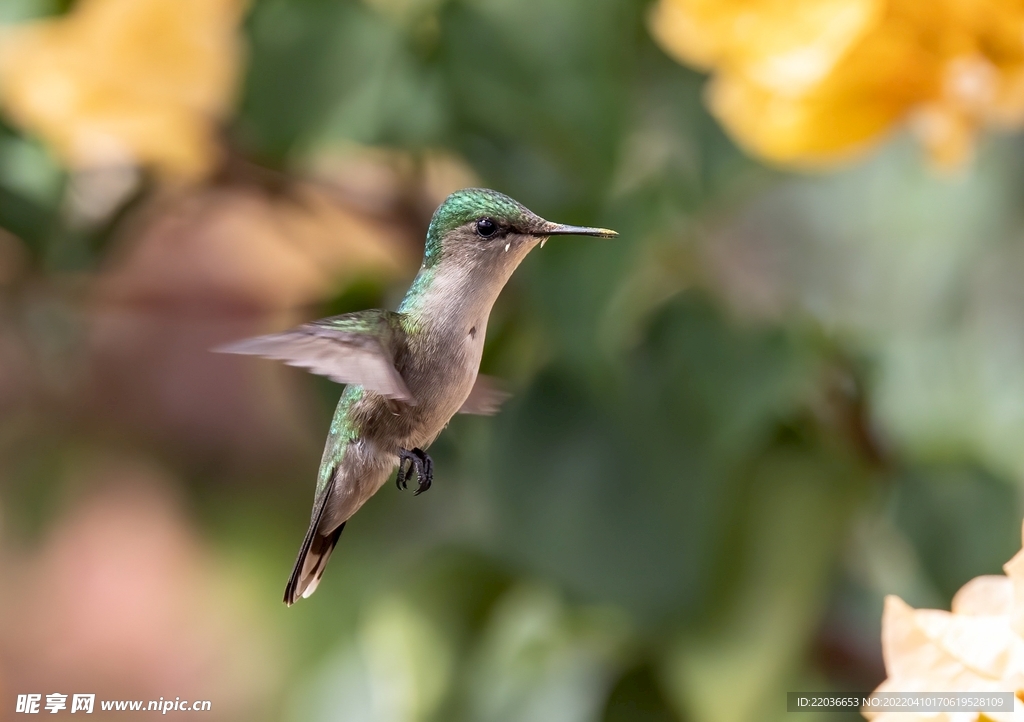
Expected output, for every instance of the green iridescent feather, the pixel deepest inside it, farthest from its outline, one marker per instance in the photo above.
(464, 206)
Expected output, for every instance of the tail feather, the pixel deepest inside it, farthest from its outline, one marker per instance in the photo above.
(313, 555)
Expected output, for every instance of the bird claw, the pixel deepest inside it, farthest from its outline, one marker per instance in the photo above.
(426, 473)
(419, 461)
(404, 472)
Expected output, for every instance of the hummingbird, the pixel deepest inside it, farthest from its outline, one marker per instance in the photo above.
(407, 372)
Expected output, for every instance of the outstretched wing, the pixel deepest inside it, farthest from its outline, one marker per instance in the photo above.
(485, 398)
(355, 348)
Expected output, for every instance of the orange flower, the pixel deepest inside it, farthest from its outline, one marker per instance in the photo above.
(978, 647)
(809, 82)
(125, 82)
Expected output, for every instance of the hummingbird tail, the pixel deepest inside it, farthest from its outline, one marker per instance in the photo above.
(313, 555)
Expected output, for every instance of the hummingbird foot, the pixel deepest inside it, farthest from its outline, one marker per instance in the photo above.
(403, 471)
(419, 461)
(425, 473)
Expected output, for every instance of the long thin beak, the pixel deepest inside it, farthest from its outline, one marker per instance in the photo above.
(557, 229)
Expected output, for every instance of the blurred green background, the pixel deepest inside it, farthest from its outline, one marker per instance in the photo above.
(773, 400)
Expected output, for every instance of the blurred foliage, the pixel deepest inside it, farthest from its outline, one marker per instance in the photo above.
(772, 401)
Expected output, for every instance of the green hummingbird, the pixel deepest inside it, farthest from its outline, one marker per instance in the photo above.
(407, 371)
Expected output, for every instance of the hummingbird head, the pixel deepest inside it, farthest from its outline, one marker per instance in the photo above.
(483, 228)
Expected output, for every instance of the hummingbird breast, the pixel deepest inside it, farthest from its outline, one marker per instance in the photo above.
(439, 364)
(444, 322)
(440, 368)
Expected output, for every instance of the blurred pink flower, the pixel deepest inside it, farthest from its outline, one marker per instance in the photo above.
(208, 266)
(122, 600)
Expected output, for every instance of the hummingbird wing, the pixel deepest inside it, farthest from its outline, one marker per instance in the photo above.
(354, 348)
(485, 398)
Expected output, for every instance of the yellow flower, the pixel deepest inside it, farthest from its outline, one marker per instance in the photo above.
(119, 82)
(809, 82)
(978, 647)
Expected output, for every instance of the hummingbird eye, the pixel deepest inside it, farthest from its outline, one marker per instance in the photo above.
(486, 227)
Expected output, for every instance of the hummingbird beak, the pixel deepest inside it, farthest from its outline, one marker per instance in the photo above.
(557, 229)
